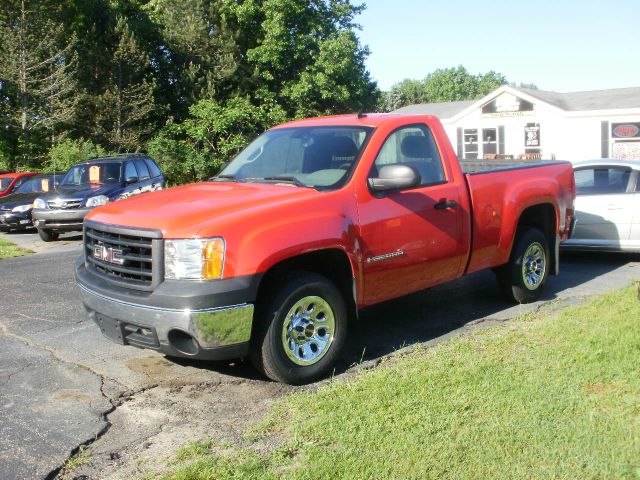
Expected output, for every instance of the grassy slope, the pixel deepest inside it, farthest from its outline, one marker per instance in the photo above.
(9, 250)
(545, 396)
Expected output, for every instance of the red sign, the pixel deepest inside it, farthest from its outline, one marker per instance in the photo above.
(626, 131)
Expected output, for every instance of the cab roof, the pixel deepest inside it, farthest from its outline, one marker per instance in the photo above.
(352, 119)
(18, 174)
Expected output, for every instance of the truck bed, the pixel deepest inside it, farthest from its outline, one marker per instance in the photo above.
(483, 165)
(493, 226)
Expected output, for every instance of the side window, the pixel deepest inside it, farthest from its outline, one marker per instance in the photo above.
(602, 180)
(130, 170)
(20, 181)
(416, 147)
(142, 168)
(153, 168)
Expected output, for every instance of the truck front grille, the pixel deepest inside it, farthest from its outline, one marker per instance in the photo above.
(125, 256)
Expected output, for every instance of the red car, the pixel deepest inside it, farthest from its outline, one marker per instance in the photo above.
(313, 221)
(10, 181)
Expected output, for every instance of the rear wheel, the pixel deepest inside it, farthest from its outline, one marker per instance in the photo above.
(525, 276)
(48, 235)
(301, 330)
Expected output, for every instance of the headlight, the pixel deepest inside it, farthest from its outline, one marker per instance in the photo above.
(39, 203)
(198, 259)
(22, 208)
(97, 201)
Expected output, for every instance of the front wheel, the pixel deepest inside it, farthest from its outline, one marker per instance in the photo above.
(524, 277)
(48, 235)
(300, 331)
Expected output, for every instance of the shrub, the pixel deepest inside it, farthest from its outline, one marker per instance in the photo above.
(69, 152)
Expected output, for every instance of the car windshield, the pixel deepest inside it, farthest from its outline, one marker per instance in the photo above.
(93, 173)
(39, 184)
(321, 157)
(4, 183)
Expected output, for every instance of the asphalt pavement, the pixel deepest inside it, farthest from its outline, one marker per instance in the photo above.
(63, 386)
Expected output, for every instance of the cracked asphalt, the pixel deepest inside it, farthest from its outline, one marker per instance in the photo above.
(64, 387)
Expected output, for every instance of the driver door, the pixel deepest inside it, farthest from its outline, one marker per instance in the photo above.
(411, 238)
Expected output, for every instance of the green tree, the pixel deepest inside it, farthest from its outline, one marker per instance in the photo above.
(442, 85)
(213, 134)
(407, 92)
(124, 109)
(37, 78)
(306, 52)
(68, 152)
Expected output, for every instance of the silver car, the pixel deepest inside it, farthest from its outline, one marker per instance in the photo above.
(607, 206)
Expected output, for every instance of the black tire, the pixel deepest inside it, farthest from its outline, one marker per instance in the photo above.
(512, 277)
(268, 350)
(48, 235)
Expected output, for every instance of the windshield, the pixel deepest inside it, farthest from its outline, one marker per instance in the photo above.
(93, 173)
(39, 184)
(305, 156)
(4, 183)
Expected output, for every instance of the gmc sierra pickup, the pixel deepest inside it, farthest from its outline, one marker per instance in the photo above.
(314, 220)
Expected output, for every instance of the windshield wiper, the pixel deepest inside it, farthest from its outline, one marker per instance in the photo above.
(233, 178)
(286, 178)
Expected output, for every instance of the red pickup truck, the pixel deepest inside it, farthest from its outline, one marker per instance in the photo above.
(314, 220)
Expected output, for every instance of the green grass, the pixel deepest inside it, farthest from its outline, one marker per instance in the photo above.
(552, 396)
(9, 250)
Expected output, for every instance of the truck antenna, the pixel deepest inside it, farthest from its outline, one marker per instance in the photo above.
(361, 114)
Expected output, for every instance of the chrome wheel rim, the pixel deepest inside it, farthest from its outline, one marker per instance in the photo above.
(534, 266)
(307, 331)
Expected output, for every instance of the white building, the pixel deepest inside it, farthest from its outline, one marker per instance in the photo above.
(524, 123)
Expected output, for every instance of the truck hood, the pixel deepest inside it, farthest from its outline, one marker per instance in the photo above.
(181, 212)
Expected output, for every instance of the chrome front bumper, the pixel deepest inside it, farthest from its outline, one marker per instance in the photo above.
(58, 219)
(219, 333)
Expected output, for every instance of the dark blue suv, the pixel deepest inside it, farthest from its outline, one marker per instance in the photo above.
(90, 184)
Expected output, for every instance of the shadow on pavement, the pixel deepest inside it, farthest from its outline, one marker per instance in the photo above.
(440, 311)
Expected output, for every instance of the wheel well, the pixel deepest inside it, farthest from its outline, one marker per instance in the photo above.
(543, 217)
(331, 263)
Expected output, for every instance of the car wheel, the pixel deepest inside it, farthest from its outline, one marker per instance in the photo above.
(48, 235)
(524, 277)
(301, 330)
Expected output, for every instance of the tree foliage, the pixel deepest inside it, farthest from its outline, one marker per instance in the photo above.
(190, 80)
(442, 85)
(37, 77)
(69, 152)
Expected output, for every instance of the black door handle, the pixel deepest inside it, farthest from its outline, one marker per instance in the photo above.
(443, 204)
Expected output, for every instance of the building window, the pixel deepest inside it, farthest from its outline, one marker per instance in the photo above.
(489, 141)
(471, 144)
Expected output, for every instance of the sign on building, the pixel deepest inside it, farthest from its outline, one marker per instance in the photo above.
(532, 135)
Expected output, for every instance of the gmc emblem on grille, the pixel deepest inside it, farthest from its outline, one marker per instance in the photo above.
(108, 254)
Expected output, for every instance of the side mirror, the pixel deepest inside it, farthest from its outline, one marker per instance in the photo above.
(130, 180)
(395, 177)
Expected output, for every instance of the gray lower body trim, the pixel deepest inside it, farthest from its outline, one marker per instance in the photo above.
(212, 333)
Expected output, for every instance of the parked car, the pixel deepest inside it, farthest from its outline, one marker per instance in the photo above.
(15, 209)
(2, 172)
(10, 181)
(312, 221)
(607, 206)
(90, 184)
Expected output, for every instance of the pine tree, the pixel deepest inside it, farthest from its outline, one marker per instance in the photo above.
(37, 78)
(124, 109)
